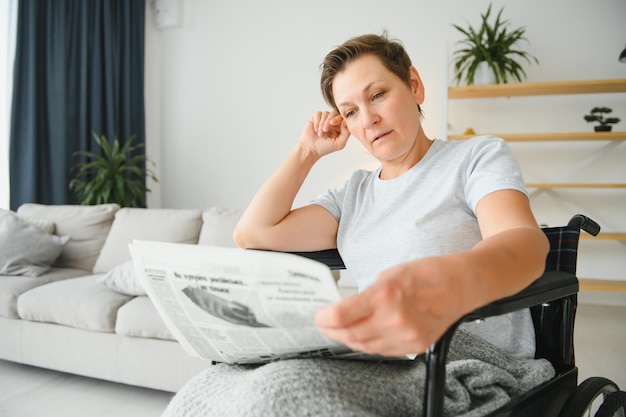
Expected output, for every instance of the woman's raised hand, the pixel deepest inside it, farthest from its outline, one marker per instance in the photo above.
(325, 132)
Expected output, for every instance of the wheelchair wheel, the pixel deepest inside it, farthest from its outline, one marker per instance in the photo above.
(613, 405)
(589, 399)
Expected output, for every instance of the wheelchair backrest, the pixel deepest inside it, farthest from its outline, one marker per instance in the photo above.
(554, 321)
(563, 248)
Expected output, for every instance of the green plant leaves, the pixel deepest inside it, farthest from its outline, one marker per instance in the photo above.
(493, 44)
(114, 176)
(597, 114)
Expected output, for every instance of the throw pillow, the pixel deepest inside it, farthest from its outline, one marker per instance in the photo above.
(122, 279)
(218, 225)
(26, 249)
(46, 225)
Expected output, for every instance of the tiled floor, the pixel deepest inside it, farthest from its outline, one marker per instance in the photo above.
(32, 392)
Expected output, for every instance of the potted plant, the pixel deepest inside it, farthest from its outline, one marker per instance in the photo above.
(113, 176)
(604, 123)
(491, 45)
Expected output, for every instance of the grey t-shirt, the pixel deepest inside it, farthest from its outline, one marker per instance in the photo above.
(428, 211)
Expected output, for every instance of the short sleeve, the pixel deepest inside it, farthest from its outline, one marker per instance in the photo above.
(346, 197)
(331, 200)
(492, 167)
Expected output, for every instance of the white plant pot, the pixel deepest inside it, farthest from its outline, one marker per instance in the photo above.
(484, 74)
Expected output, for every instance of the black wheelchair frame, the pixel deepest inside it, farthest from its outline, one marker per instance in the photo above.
(552, 299)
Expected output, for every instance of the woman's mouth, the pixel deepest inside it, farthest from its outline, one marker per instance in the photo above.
(380, 136)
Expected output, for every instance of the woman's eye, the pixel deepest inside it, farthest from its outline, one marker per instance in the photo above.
(349, 113)
(378, 95)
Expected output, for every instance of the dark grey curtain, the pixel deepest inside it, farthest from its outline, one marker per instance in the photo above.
(79, 68)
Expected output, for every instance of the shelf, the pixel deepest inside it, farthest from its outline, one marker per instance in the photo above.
(538, 89)
(554, 137)
(592, 284)
(604, 236)
(574, 185)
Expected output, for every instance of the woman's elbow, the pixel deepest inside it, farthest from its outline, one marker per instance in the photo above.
(241, 238)
(252, 237)
(542, 245)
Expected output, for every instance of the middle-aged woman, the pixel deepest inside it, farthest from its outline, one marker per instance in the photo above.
(439, 229)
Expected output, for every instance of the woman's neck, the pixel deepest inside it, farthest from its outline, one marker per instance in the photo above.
(393, 169)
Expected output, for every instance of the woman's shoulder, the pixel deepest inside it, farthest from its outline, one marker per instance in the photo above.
(467, 151)
(358, 179)
(483, 143)
(482, 140)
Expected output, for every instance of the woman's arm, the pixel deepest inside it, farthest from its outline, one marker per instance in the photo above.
(513, 250)
(269, 221)
(411, 305)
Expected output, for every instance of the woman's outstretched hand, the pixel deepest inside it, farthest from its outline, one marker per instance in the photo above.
(324, 133)
(408, 308)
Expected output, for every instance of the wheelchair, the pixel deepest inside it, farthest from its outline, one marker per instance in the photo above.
(552, 300)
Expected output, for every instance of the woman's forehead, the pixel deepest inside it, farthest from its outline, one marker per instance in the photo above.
(358, 76)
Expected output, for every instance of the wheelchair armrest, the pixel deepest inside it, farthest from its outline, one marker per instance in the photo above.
(330, 257)
(550, 286)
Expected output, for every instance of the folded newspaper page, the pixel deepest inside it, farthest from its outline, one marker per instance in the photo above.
(239, 306)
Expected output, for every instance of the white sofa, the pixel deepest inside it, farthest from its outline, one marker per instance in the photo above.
(83, 315)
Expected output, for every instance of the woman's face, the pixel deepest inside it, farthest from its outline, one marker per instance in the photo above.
(379, 109)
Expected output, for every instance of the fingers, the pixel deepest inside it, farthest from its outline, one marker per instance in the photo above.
(327, 123)
(345, 313)
(348, 322)
(324, 133)
(337, 120)
(381, 320)
(362, 322)
(384, 333)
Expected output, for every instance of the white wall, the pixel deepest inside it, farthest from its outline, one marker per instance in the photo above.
(230, 88)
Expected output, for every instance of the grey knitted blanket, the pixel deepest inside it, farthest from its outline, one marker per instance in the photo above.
(479, 379)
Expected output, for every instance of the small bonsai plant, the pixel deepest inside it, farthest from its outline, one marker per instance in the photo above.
(494, 45)
(114, 176)
(598, 115)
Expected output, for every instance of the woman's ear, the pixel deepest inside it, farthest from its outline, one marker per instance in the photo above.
(417, 87)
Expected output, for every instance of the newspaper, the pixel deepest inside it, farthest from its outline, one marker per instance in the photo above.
(239, 306)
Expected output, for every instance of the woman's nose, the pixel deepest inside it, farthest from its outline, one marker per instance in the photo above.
(369, 117)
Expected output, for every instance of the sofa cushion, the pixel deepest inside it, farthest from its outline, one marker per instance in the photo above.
(82, 303)
(218, 225)
(166, 225)
(139, 318)
(26, 249)
(87, 227)
(11, 287)
(123, 280)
